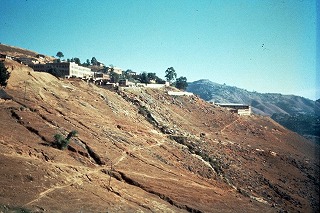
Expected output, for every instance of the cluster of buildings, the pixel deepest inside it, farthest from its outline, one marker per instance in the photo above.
(65, 69)
(100, 75)
(26, 60)
(73, 70)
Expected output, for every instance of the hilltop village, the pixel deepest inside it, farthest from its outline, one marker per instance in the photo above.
(110, 76)
(95, 72)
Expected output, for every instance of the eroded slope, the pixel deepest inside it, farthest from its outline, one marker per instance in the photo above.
(142, 150)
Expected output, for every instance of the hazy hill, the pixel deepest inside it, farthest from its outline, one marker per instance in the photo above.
(296, 113)
(141, 150)
(263, 103)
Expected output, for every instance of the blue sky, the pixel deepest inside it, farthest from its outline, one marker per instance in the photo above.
(258, 45)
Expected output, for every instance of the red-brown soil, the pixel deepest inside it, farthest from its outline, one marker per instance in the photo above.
(141, 150)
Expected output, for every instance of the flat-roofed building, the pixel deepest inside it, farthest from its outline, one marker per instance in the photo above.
(5, 56)
(67, 69)
(27, 61)
(241, 109)
(101, 76)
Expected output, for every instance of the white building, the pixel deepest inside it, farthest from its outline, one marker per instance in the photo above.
(67, 69)
(173, 93)
(241, 109)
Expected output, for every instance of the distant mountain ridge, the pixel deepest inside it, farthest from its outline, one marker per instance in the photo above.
(297, 113)
(262, 103)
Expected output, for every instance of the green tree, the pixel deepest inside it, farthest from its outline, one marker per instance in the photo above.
(60, 54)
(181, 83)
(114, 76)
(152, 76)
(126, 75)
(4, 75)
(144, 78)
(94, 61)
(77, 61)
(61, 142)
(88, 62)
(160, 81)
(170, 74)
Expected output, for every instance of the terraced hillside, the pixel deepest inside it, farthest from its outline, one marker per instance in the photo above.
(141, 150)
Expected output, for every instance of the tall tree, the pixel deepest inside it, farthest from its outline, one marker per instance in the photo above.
(60, 55)
(4, 75)
(94, 61)
(181, 83)
(114, 77)
(77, 61)
(110, 68)
(144, 78)
(170, 74)
(152, 76)
(159, 80)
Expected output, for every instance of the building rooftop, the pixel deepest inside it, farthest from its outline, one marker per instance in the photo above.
(231, 104)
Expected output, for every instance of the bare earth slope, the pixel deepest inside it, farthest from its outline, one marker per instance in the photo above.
(141, 150)
(23, 53)
(15, 51)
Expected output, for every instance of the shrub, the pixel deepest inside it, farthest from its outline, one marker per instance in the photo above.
(61, 142)
(4, 75)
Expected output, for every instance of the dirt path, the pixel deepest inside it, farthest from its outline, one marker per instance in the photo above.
(230, 124)
(126, 153)
(44, 193)
(80, 172)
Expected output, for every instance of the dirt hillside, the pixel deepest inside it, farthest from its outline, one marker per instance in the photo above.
(141, 150)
